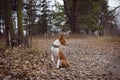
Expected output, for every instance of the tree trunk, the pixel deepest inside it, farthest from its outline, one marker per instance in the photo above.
(10, 34)
(71, 15)
(74, 15)
(20, 24)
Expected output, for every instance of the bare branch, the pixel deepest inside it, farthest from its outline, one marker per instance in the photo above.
(114, 9)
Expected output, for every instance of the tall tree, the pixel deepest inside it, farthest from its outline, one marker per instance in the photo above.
(29, 20)
(10, 34)
(20, 20)
(43, 19)
(71, 8)
(58, 18)
(89, 15)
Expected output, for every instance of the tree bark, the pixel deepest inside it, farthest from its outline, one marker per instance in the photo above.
(9, 30)
(71, 15)
(19, 20)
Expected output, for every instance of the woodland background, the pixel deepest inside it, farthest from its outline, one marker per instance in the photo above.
(20, 20)
(29, 27)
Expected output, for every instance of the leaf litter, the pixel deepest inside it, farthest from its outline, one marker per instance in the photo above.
(89, 59)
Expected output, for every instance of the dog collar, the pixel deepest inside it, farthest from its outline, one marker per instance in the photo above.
(56, 46)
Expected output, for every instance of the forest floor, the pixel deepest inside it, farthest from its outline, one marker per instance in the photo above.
(90, 58)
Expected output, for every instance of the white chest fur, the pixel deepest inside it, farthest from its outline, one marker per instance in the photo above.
(55, 48)
(54, 51)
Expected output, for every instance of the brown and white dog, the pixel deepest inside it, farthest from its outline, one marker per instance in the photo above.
(57, 56)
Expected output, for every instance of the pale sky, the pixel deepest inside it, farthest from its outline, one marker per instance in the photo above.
(60, 1)
(113, 3)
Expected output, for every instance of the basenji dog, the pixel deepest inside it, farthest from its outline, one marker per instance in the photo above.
(57, 55)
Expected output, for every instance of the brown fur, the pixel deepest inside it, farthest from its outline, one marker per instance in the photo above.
(61, 56)
(62, 40)
(64, 63)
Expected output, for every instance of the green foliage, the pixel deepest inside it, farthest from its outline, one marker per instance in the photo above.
(88, 14)
(42, 24)
(58, 17)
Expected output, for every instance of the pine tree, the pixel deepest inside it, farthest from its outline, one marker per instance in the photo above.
(43, 20)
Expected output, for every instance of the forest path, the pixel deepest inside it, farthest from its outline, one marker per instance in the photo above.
(89, 58)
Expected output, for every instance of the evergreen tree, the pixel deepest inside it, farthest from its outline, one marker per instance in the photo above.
(58, 17)
(43, 19)
(86, 15)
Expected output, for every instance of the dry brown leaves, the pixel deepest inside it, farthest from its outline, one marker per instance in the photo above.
(89, 58)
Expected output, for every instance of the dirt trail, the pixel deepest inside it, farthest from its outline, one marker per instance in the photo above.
(94, 59)
(89, 58)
